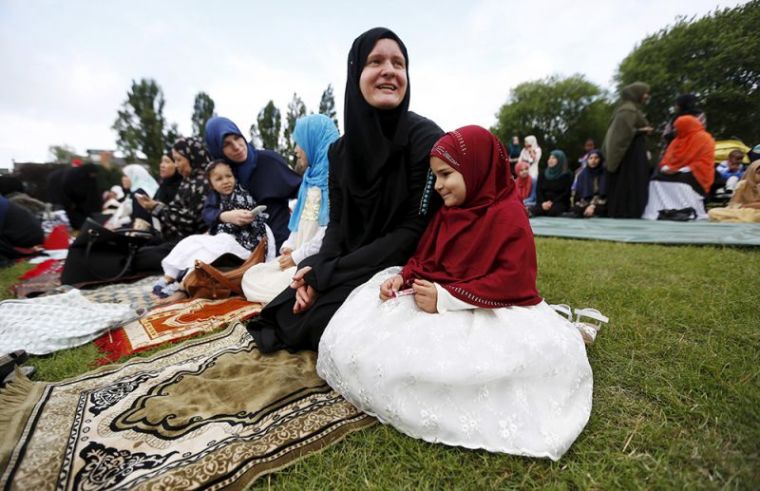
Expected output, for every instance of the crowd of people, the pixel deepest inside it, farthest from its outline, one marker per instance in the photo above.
(373, 267)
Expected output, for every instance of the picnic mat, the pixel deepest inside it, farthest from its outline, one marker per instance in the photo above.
(173, 323)
(210, 413)
(648, 231)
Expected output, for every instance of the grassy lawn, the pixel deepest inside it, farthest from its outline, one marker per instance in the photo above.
(676, 383)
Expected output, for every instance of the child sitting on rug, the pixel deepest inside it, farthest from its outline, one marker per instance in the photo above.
(459, 348)
(313, 136)
(228, 238)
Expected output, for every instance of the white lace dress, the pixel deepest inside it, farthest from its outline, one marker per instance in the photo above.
(513, 380)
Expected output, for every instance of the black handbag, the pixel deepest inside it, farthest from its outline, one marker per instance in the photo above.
(678, 215)
(102, 255)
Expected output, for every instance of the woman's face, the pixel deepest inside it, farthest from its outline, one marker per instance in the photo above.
(593, 160)
(449, 182)
(166, 168)
(183, 165)
(235, 148)
(126, 182)
(552, 161)
(302, 163)
(383, 80)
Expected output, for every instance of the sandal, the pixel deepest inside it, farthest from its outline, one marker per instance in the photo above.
(589, 330)
(564, 309)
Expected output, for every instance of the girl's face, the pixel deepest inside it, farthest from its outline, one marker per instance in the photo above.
(449, 183)
(126, 182)
(301, 161)
(593, 160)
(383, 80)
(523, 172)
(234, 148)
(222, 180)
(552, 161)
(166, 168)
(183, 165)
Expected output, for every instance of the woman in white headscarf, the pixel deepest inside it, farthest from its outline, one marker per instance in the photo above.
(531, 155)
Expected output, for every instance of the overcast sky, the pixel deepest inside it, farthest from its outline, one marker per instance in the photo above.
(67, 65)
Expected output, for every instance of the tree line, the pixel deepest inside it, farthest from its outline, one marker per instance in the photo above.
(142, 130)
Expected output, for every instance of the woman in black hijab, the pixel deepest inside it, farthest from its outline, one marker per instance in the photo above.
(378, 197)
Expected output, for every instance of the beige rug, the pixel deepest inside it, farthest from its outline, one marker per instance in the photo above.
(212, 413)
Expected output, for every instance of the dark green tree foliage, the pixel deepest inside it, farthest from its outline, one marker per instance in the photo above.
(327, 104)
(203, 110)
(269, 123)
(170, 137)
(561, 112)
(716, 58)
(63, 153)
(140, 122)
(296, 109)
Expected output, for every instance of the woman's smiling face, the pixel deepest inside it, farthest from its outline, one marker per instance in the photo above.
(383, 80)
(235, 148)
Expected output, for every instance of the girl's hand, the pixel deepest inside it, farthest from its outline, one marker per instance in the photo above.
(144, 201)
(390, 287)
(286, 261)
(237, 217)
(425, 296)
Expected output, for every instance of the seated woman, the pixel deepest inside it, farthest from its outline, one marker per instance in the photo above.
(459, 348)
(135, 180)
(591, 188)
(745, 202)
(553, 193)
(526, 185)
(182, 216)
(226, 239)
(686, 172)
(378, 171)
(20, 232)
(165, 191)
(313, 135)
(263, 173)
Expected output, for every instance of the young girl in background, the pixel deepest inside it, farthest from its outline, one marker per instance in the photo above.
(227, 239)
(526, 185)
(459, 348)
(313, 135)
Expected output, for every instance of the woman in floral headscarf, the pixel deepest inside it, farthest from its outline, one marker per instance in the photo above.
(182, 216)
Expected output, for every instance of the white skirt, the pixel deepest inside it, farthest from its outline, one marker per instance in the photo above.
(264, 281)
(513, 380)
(206, 248)
(673, 195)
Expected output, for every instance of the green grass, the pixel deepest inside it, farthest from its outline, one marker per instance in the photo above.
(676, 383)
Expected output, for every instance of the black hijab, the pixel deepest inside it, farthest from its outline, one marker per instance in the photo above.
(371, 160)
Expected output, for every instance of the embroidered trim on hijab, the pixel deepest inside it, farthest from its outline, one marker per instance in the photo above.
(314, 134)
(503, 272)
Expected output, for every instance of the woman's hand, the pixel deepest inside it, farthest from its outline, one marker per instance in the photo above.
(147, 203)
(237, 217)
(646, 130)
(390, 287)
(589, 211)
(305, 294)
(286, 260)
(546, 205)
(425, 296)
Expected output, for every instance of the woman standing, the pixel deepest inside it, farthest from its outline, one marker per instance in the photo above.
(378, 171)
(263, 173)
(624, 149)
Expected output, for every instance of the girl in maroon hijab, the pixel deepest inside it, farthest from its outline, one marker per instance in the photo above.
(458, 347)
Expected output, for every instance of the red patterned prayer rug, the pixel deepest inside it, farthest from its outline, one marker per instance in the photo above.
(43, 278)
(173, 323)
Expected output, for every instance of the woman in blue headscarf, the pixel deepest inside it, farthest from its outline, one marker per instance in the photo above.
(313, 136)
(263, 173)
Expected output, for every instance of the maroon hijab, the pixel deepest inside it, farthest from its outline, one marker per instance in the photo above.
(481, 251)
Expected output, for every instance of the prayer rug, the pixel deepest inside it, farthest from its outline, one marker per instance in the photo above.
(699, 232)
(173, 323)
(43, 278)
(212, 413)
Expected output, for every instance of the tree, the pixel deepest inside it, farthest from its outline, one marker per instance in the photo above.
(716, 57)
(327, 104)
(269, 124)
(561, 112)
(203, 110)
(296, 109)
(140, 122)
(170, 137)
(62, 153)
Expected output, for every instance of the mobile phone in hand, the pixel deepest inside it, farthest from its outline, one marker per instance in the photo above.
(259, 210)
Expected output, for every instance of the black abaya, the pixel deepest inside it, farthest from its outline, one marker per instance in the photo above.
(628, 188)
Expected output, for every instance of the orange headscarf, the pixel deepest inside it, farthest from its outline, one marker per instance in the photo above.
(693, 147)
